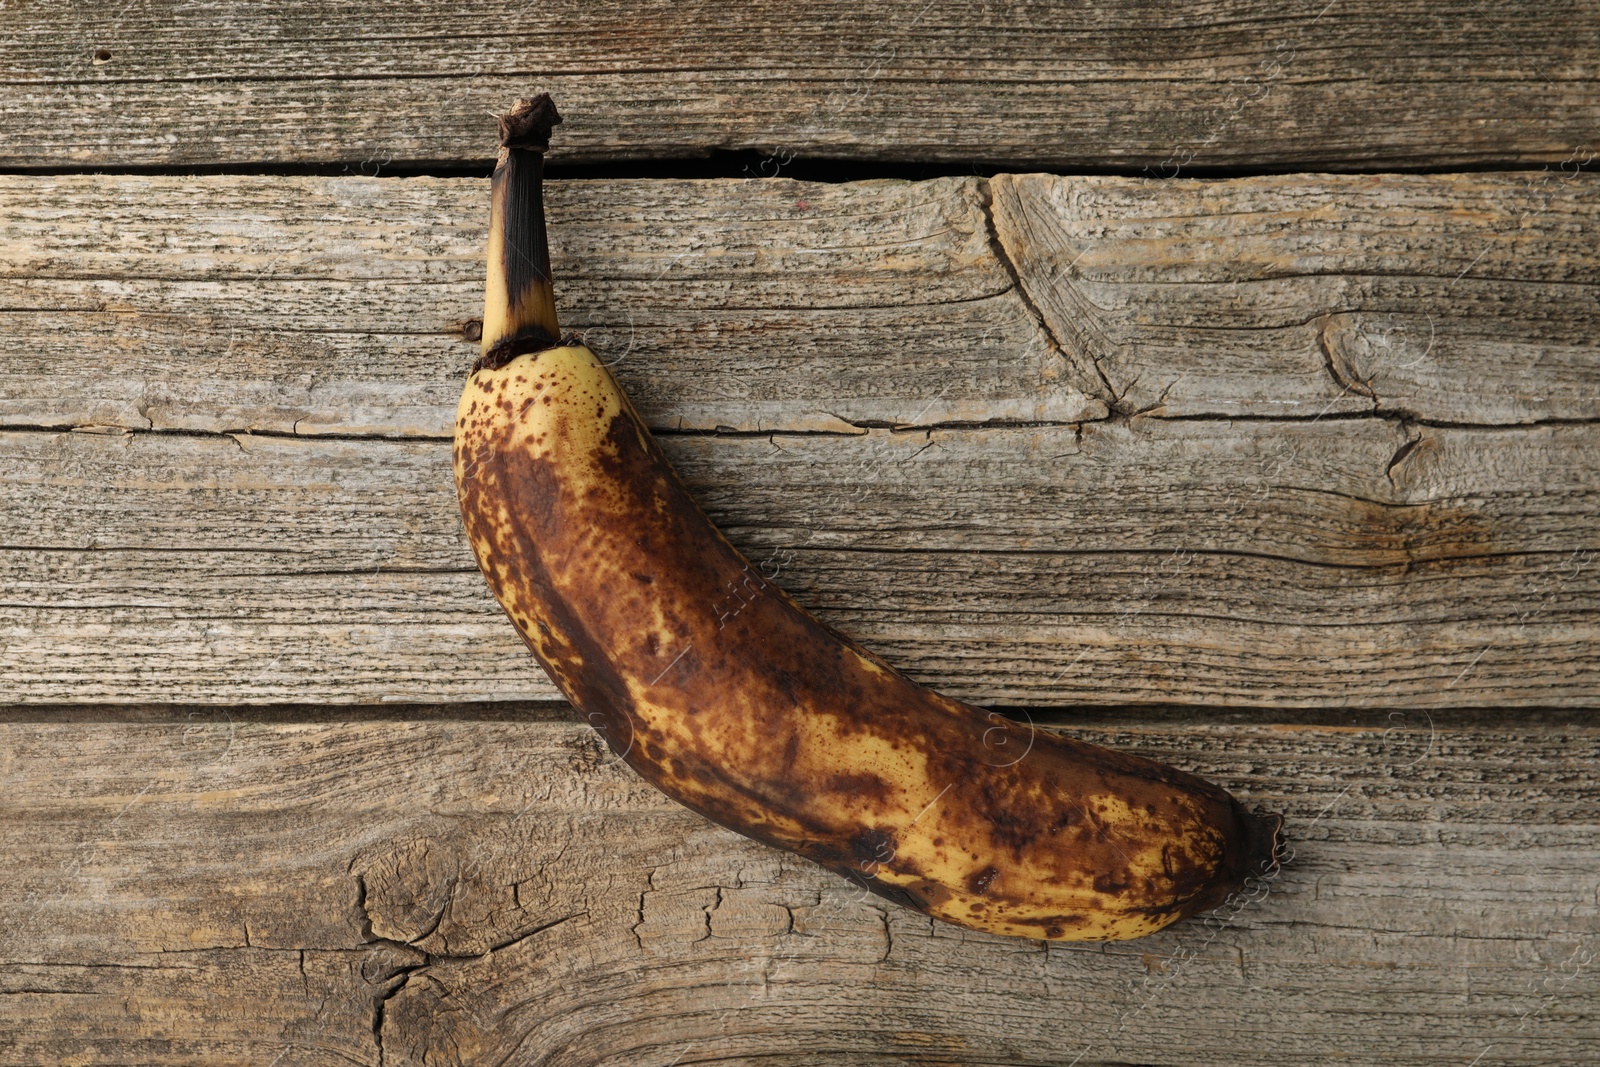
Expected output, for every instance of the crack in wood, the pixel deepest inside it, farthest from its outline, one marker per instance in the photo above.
(393, 979)
(1341, 374)
(1003, 255)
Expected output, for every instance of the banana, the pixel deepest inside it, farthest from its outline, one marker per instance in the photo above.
(759, 716)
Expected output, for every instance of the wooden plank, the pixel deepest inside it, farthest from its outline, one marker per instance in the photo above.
(1222, 83)
(317, 305)
(213, 889)
(1200, 561)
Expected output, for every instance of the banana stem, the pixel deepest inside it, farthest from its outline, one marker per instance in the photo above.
(519, 306)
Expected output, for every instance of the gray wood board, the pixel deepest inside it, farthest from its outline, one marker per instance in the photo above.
(336, 305)
(1190, 561)
(1010, 491)
(1356, 83)
(215, 890)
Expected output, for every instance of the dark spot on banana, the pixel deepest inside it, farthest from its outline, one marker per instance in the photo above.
(979, 882)
(1112, 882)
(863, 784)
(872, 847)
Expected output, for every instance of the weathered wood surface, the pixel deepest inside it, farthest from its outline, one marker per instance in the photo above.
(206, 890)
(1191, 561)
(1463, 298)
(1205, 454)
(1302, 442)
(1123, 84)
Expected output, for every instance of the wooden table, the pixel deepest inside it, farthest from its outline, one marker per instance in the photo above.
(1225, 389)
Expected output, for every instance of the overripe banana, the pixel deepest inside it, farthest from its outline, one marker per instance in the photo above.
(766, 720)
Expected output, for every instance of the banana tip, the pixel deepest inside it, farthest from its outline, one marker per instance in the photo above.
(529, 122)
(1261, 853)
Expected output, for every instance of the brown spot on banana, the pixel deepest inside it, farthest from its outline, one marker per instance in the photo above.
(766, 720)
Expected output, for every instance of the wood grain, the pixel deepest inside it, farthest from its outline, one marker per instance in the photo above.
(1010, 488)
(1197, 561)
(1457, 298)
(1170, 87)
(212, 889)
